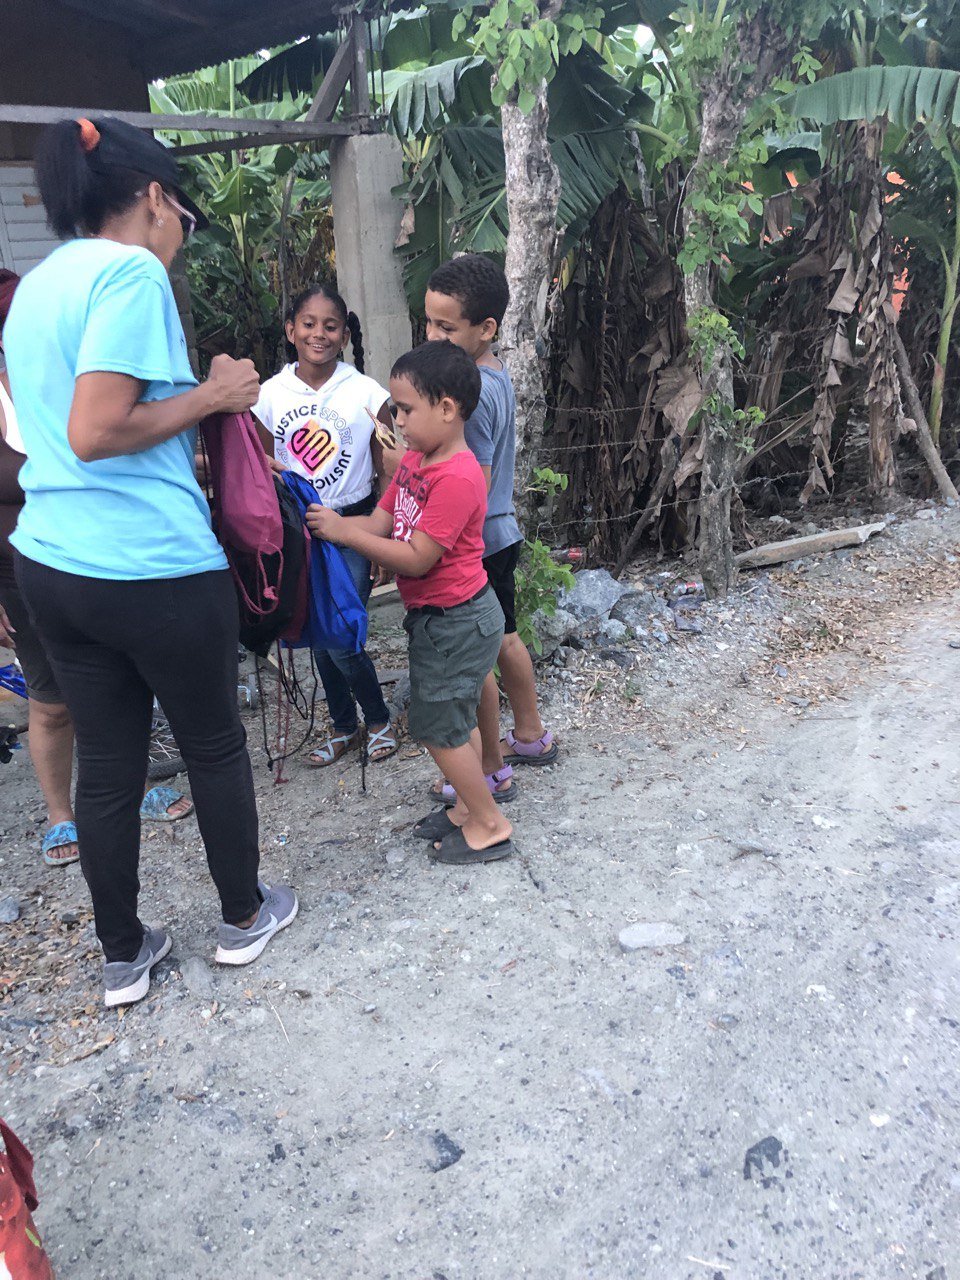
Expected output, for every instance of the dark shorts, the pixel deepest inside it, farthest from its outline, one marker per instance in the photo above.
(501, 570)
(41, 682)
(451, 654)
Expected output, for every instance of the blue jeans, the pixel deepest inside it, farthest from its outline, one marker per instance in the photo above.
(347, 677)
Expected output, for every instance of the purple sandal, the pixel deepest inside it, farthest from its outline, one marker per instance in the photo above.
(543, 751)
(449, 797)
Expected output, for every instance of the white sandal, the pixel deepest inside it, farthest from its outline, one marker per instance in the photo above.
(382, 740)
(326, 754)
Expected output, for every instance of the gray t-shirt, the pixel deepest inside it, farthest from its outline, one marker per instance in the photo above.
(491, 434)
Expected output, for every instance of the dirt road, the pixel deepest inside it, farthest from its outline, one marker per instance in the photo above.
(449, 1074)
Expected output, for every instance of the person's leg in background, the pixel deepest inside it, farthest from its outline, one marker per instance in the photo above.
(111, 707)
(49, 727)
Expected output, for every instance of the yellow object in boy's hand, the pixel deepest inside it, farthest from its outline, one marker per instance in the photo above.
(323, 523)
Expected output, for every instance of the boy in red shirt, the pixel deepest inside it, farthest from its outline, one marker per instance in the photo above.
(428, 530)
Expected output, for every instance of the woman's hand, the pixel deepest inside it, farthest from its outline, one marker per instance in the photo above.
(234, 384)
(6, 631)
(382, 577)
(326, 524)
(276, 465)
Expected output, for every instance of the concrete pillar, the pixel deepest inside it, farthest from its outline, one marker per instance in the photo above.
(366, 222)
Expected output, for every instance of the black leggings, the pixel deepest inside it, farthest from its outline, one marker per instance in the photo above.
(114, 646)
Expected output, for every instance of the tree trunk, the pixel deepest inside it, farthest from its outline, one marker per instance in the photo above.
(533, 194)
(874, 282)
(746, 68)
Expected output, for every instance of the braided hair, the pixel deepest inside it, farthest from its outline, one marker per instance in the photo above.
(350, 319)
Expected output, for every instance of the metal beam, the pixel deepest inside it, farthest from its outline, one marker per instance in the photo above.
(288, 130)
(335, 81)
(321, 130)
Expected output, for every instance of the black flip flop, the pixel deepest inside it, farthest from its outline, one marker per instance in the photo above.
(435, 826)
(455, 850)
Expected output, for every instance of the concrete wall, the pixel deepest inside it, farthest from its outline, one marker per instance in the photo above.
(55, 56)
(366, 221)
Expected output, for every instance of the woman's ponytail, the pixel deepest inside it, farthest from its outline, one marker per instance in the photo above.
(77, 196)
(356, 340)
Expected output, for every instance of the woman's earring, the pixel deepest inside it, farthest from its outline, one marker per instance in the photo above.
(159, 222)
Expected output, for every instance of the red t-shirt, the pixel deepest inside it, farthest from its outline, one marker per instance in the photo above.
(448, 502)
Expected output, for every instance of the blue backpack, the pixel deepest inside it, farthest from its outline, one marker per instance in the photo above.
(336, 617)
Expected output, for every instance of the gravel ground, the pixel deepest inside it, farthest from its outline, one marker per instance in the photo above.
(448, 1073)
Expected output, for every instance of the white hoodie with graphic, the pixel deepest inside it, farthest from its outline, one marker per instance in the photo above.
(324, 435)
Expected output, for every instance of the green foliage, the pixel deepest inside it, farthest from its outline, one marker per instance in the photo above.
(549, 482)
(525, 48)
(707, 330)
(539, 578)
(739, 425)
(904, 95)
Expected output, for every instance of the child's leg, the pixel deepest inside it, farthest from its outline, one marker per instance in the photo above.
(516, 673)
(476, 812)
(488, 722)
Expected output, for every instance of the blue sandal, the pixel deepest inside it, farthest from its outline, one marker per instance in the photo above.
(63, 833)
(156, 803)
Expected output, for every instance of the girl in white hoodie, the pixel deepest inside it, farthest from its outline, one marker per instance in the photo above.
(318, 413)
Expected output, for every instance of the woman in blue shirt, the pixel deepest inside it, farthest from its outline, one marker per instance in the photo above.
(116, 558)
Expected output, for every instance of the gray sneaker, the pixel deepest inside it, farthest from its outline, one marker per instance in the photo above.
(127, 981)
(277, 910)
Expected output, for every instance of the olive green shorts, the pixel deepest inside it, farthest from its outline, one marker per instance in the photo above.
(451, 654)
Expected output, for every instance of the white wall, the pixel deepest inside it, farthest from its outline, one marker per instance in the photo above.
(24, 237)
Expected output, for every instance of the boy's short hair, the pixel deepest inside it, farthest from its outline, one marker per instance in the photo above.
(477, 283)
(439, 369)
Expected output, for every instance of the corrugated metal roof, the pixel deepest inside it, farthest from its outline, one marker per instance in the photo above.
(171, 36)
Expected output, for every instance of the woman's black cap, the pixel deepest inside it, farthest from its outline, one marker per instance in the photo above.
(113, 144)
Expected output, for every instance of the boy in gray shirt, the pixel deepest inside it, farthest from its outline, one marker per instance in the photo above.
(465, 304)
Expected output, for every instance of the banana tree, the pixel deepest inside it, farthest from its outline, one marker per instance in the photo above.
(257, 200)
(924, 103)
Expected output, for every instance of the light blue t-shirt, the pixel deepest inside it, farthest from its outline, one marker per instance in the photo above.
(95, 306)
(491, 435)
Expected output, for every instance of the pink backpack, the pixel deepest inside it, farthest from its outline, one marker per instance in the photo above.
(264, 544)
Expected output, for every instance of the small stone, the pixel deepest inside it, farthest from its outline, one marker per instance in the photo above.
(612, 632)
(650, 934)
(553, 629)
(955, 644)
(69, 918)
(926, 515)
(395, 857)
(197, 978)
(335, 900)
(400, 926)
(726, 1021)
(780, 670)
(640, 610)
(700, 815)
(9, 910)
(448, 1153)
(622, 659)
(369, 1008)
(593, 594)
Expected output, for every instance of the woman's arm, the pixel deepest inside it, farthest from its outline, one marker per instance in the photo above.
(368, 535)
(107, 419)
